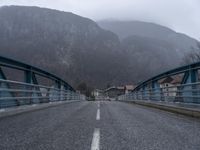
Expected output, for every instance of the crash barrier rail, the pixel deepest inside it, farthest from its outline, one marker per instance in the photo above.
(17, 93)
(187, 93)
(162, 87)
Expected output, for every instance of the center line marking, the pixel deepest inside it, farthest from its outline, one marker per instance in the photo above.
(96, 139)
(98, 114)
(2, 110)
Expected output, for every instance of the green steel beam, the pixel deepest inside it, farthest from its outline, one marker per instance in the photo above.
(6, 103)
(10, 63)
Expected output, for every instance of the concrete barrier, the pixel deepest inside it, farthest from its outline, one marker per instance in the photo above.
(192, 112)
(29, 108)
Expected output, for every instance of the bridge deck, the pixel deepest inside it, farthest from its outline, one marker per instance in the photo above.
(118, 125)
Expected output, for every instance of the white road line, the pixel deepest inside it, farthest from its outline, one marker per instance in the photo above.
(98, 104)
(2, 110)
(98, 114)
(96, 139)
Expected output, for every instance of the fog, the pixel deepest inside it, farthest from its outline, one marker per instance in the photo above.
(180, 15)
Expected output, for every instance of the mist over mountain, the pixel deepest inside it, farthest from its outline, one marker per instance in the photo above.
(149, 56)
(181, 42)
(78, 50)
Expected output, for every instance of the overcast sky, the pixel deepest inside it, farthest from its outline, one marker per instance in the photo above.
(180, 15)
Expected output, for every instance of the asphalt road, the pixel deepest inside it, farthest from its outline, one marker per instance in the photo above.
(99, 125)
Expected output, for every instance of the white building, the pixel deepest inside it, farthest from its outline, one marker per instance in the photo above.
(169, 85)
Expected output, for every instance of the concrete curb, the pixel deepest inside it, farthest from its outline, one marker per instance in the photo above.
(175, 109)
(30, 108)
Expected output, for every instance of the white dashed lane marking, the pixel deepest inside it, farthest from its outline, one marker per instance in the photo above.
(2, 110)
(98, 114)
(96, 139)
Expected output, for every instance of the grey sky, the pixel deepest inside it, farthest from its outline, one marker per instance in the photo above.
(180, 15)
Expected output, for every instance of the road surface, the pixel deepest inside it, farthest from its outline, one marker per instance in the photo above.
(99, 125)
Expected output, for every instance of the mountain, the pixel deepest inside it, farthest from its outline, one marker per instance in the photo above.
(66, 44)
(149, 56)
(78, 50)
(181, 42)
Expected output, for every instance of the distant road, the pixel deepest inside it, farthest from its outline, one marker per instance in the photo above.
(99, 125)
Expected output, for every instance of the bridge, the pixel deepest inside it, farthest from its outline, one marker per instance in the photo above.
(39, 110)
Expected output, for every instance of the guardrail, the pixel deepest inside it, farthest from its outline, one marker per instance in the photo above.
(15, 93)
(20, 93)
(187, 93)
(162, 88)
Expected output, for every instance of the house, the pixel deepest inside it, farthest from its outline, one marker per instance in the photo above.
(98, 94)
(129, 88)
(114, 92)
(169, 85)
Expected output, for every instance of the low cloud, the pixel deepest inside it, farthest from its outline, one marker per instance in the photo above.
(180, 15)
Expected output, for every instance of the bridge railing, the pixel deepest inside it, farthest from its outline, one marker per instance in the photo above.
(187, 93)
(162, 87)
(17, 93)
(20, 93)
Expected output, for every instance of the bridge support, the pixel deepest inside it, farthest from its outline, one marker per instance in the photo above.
(144, 96)
(155, 91)
(53, 93)
(3, 93)
(189, 90)
(15, 93)
(30, 78)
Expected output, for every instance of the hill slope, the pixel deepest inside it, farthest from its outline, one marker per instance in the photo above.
(71, 46)
(181, 42)
(78, 50)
